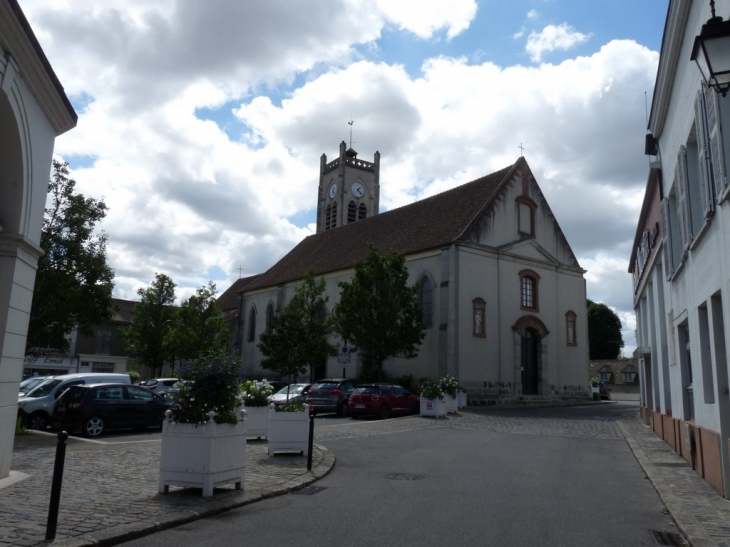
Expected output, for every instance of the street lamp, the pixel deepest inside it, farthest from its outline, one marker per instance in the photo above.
(711, 52)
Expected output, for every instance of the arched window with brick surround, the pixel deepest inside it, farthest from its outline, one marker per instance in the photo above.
(529, 283)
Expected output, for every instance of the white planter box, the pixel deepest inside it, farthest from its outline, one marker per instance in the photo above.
(451, 404)
(462, 399)
(288, 432)
(257, 421)
(202, 456)
(433, 407)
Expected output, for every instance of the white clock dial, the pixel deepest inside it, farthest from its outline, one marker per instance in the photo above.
(333, 190)
(358, 190)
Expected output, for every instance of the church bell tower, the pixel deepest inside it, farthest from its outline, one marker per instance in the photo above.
(349, 189)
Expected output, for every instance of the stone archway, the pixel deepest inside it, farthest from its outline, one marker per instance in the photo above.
(12, 183)
(530, 347)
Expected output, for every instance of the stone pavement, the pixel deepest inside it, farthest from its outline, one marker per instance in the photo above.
(110, 490)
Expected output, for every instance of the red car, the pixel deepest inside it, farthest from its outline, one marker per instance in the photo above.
(382, 400)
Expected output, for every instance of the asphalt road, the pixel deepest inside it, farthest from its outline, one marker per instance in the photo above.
(547, 477)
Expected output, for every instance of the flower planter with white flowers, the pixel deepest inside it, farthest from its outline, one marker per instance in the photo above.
(288, 432)
(433, 407)
(451, 404)
(203, 455)
(257, 421)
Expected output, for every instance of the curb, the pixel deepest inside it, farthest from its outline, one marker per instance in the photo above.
(126, 532)
(688, 527)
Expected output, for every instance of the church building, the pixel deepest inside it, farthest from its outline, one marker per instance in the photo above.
(503, 296)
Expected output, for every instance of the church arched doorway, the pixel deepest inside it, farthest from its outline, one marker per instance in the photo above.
(530, 361)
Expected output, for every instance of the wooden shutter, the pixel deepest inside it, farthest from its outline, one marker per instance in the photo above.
(712, 107)
(666, 237)
(683, 208)
(703, 157)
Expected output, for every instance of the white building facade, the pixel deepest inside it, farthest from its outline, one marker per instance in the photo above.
(680, 260)
(34, 110)
(503, 296)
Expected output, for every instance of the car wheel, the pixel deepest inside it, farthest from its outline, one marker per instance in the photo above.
(94, 426)
(37, 420)
(384, 412)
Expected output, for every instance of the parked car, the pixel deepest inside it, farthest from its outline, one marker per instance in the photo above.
(92, 409)
(29, 383)
(36, 407)
(330, 395)
(276, 384)
(383, 400)
(603, 391)
(297, 392)
(160, 385)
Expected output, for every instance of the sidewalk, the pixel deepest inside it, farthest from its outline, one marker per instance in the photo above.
(701, 514)
(109, 492)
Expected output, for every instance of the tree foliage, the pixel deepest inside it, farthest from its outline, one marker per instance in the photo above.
(152, 319)
(199, 327)
(74, 283)
(299, 335)
(378, 312)
(604, 332)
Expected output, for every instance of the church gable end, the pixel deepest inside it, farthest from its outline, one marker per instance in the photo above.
(519, 213)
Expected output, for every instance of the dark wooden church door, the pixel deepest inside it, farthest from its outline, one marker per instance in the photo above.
(530, 345)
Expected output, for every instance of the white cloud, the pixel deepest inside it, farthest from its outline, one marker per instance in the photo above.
(532, 15)
(552, 38)
(425, 18)
(187, 197)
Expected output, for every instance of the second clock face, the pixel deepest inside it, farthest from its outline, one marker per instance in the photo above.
(333, 190)
(358, 190)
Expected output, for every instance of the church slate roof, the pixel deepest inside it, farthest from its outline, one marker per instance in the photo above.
(426, 224)
(228, 300)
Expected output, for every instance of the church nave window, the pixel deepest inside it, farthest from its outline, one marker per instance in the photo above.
(362, 212)
(425, 298)
(251, 325)
(351, 212)
(570, 319)
(478, 328)
(269, 317)
(528, 282)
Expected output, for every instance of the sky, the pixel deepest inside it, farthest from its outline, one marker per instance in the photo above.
(201, 123)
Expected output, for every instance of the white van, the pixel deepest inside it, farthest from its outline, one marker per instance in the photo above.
(36, 407)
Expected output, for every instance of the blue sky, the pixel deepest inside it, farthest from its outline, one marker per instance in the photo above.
(202, 129)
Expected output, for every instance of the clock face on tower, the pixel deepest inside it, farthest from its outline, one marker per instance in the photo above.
(358, 190)
(333, 190)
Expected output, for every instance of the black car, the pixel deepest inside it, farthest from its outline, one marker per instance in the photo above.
(331, 395)
(92, 409)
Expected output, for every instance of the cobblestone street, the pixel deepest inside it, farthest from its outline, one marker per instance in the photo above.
(110, 490)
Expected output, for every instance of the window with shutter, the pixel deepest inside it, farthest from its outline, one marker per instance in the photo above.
(683, 212)
(717, 145)
(704, 162)
(666, 236)
(334, 216)
(362, 212)
(351, 212)
(328, 218)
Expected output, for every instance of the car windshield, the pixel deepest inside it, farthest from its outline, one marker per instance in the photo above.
(294, 389)
(325, 385)
(44, 388)
(30, 383)
(368, 389)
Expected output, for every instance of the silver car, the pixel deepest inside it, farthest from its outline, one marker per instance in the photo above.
(297, 392)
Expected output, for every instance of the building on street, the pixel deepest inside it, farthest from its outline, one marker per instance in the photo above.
(680, 261)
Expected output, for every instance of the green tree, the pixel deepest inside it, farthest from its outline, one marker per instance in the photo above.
(378, 312)
(604, 332)
(74, 283)
(199, 327)
(298, 337)
(152, 318)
